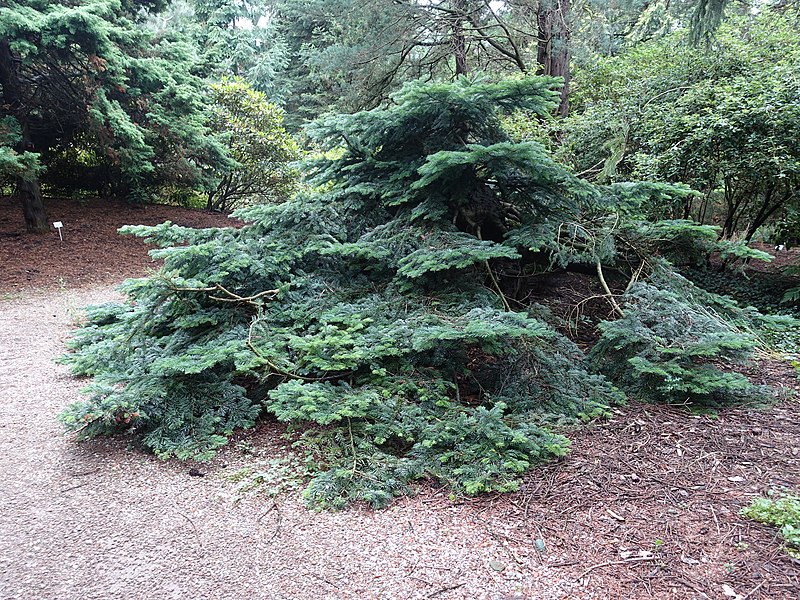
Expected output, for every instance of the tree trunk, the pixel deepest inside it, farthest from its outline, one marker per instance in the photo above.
(553, 52)
(459, 41)
(26, 187)
(32, 207)
(767, 210)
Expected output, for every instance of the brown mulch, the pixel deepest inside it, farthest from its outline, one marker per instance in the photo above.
(92, 253)
(576, 299)
(646, 504)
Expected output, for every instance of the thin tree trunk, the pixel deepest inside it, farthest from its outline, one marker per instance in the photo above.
(766, 212)
(26, 187)
(553, 52)
(731, 206)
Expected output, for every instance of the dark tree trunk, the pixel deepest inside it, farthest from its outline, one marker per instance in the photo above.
(768, 208)
(459, 41)
(553, 52)
(26, 188)
(32, 207)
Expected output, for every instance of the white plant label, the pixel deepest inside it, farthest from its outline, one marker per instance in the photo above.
(58, 225)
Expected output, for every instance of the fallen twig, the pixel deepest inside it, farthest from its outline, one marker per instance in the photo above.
(277, 522)
(755, 589)
(84, 473)
(615, 562)
(445, 589)
(716, 520)
(194, 527)
(690, 585)
(569, 563)
(74, 487)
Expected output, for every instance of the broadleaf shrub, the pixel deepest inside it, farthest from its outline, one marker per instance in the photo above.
(781, 509)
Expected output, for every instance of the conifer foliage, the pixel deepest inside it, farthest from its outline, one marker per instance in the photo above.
(102, 102)
(367, 313)
(668, 346)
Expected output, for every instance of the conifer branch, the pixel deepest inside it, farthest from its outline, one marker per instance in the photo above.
(493, 278)
(277, 370)
(635, 277)
(607, 290)
(232, 296)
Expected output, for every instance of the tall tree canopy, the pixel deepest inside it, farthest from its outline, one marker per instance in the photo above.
(352, 55)
(233, 38)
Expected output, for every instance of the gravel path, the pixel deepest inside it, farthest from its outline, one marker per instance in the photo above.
(100, 521)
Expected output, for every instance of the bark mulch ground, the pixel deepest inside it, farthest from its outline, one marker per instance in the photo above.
(646, 504)
(91, 252)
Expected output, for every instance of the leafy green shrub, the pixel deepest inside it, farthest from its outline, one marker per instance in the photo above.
(786, 230)
(780, 333)
(781, 509)
(724, 122)
(671, 348)
(14, 163)
(368, 314)
(255, 138)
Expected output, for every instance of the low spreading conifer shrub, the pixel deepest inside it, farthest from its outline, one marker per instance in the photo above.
(377, 314)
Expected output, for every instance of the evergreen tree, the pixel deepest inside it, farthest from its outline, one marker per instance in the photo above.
(554, 51)
(88, 73)
(667, 347)
(345, 56)
(232, 38)
(15, 164)
(371, 311)
(382, 311)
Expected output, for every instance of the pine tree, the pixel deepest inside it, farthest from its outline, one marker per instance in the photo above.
(345, 55)
(377, 312)
(669, 347)
(15, 164)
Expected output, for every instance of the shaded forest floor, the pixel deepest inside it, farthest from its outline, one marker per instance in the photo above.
(644, 506)
(91, 252)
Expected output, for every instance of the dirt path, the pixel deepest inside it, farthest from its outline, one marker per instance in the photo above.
(98, 521)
